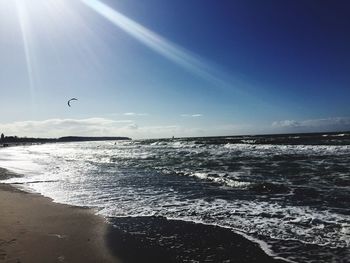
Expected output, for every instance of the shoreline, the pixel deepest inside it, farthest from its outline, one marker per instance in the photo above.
(31, 223)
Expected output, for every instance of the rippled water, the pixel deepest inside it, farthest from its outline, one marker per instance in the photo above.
(293, 195)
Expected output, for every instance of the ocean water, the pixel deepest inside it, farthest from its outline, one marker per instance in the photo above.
(291, 192)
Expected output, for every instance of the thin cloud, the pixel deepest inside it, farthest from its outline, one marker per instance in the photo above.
(192, 115)
(335, 123)
(135, 114)
(286, 123)
(133, 126)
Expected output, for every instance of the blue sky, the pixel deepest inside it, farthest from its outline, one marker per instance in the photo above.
(159, 68)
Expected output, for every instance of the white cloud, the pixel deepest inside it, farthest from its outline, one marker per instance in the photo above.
(63, 127)
(133, 126)
(135, 114)
(192, 115)
(286, 123)
(326, 124)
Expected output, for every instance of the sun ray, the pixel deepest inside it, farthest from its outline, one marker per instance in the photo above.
(159, 44)
(24, 26)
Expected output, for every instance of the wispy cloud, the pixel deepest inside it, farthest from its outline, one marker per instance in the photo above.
(133, 126)
(192, 115)
(335, 123)
(135, 114)
(286, 123)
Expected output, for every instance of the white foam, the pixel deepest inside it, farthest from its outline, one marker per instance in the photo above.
(220, 180)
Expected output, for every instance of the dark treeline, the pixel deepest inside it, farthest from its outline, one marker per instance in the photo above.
(18, 140)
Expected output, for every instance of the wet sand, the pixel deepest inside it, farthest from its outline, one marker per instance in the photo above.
(159, 240)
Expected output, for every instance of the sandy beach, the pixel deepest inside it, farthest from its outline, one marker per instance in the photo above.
(34, 229)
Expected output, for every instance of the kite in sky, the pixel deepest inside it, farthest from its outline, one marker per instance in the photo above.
(70, 101)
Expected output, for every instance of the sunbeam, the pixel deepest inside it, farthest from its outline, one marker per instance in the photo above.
(24, 26)
(159, 44)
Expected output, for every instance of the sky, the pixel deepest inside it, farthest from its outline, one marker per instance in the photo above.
(156, 68)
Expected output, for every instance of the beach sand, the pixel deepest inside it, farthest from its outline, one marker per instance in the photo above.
(35, 229)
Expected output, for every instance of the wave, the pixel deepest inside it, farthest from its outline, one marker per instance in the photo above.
(219, 179)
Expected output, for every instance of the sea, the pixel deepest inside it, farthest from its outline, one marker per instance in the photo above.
(289, 193)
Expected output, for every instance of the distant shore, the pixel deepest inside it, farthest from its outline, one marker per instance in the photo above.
(35, 229)
(14, 140)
